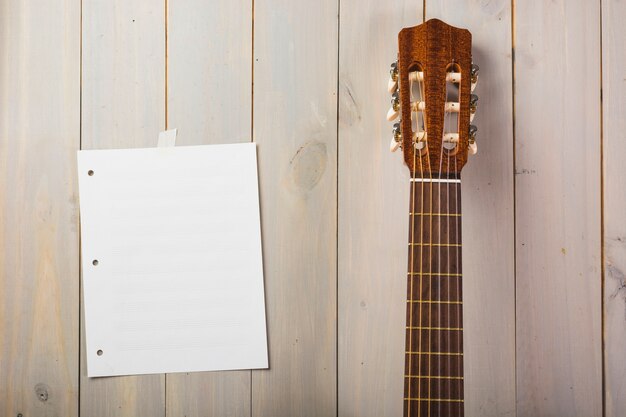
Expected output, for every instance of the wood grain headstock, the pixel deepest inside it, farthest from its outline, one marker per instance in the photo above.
(431, 86)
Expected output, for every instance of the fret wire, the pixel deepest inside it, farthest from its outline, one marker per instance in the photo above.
(434, 302)
(436, 214)
(454, 245)
(452, 400)
(442, 274)
(434, 328)
(433, 377)
(435, 353)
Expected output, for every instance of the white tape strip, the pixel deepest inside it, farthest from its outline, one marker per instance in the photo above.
(167, 138)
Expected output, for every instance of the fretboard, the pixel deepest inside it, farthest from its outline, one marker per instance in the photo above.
(433, 381)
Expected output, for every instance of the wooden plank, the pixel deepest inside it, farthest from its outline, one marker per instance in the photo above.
(210, 71)
(295, 126)
(488, 221)
(614, 158)
(39, 136)
(209, 101)
(123, 106)
(557, 130)
(373, 212)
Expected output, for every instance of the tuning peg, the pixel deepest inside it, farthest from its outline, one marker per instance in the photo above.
(473, 146)
(474, 73)
(392, 114)
(396, 140)
(474, 76)
(393, 77)
(473, 102)
(395, 107)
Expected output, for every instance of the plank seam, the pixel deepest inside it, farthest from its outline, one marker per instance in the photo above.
(166, 110)
(337, 212)
(80, 147)
(252, 81)
(251, 373)
(167, 8)
(514, 181)
(602, 234)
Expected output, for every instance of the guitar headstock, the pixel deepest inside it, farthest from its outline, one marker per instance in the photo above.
(431, 86)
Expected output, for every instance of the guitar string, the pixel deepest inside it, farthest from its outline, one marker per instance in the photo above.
(411, 269)
(421, 252)
(448, 235)
(421, 260)
(447, 122)
(430, 277)
(447, 199)
(419, 305)
(458, 281)
(428, 351)
(438, 280)
(459, 270)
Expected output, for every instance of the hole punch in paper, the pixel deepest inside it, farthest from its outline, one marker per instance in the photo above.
(171, 260)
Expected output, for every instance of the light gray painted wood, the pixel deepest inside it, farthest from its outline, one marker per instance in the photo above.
(209, 101)
(210, 71)
(557, 197)
(488, 222)
(373, 213)
(123, 106)
(295, 116)
(39, 136)
(557, 131)
(614, 134)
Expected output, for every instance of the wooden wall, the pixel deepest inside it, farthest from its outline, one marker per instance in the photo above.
(544, 202)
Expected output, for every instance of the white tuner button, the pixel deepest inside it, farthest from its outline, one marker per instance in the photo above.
(394, 145)
(392, 114)
(395, 107)
(473, 147)
(392, 85)
(396, 140)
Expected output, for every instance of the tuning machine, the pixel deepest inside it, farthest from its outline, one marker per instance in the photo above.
(473, 105)
(473, 102)
(474, 76)
(473, 147)
(393, 112)
(396, 140)
(393, 77)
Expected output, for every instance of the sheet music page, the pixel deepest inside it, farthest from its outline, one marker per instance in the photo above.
(172, 268)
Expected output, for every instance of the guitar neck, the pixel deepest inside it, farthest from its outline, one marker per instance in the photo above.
(433, 382)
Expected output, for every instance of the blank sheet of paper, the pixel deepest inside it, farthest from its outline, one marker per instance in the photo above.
(171, 260)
